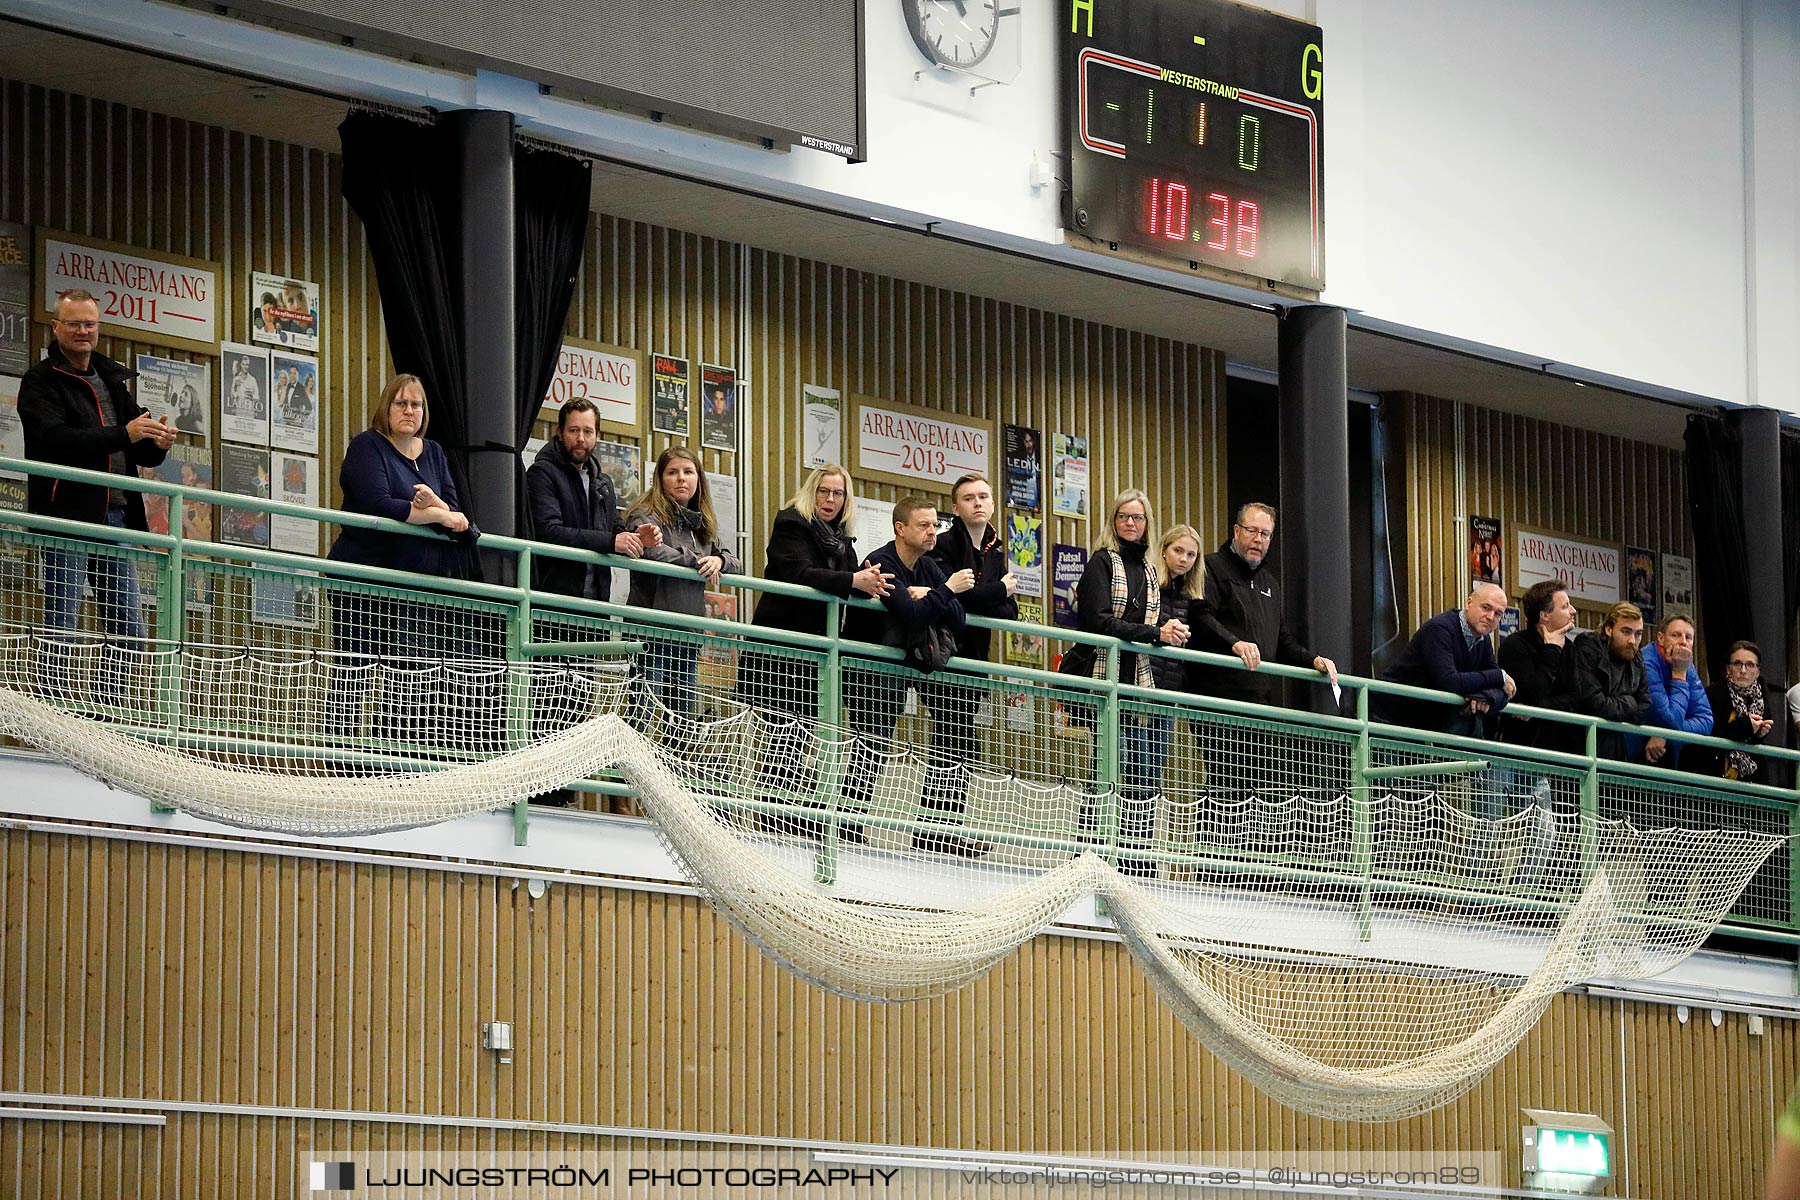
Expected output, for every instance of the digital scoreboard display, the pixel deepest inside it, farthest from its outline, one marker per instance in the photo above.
(1196, 132)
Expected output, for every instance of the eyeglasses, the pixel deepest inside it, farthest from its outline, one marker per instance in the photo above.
(1738, 662)
(80, 326)
(829, 493)
(1259, 534)
(1134, 518)
(410, 404)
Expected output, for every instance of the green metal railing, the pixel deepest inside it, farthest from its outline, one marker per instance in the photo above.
(1077, 734)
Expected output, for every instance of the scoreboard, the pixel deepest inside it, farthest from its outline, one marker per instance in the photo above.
(1196, 133)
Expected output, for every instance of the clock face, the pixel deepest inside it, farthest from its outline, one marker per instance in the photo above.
(953, 33)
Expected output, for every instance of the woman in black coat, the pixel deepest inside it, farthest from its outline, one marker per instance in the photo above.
(1745, 709)
(809, 545)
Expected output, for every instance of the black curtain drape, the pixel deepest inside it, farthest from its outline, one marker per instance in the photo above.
(550, 216)
(1715, 476)
(1790, 532)
(394, 179)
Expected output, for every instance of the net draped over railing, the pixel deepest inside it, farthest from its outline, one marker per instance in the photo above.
(1358, 950)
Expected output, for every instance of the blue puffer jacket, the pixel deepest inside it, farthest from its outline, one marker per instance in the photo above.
(1677, 704)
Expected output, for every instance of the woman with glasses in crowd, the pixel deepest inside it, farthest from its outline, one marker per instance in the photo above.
(810, 545)
(1120, 595)
(1745, 709)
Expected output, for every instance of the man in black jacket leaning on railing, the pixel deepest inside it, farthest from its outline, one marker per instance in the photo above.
(573, 504)
(77, 411)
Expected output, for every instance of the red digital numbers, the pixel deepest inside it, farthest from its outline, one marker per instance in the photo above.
(1230, 226)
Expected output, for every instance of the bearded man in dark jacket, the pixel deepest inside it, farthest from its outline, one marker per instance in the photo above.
(573, 504)
(1603, 676)
(1241, 613)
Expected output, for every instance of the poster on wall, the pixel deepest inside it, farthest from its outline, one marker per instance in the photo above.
(1069, 475)
(607, 376)
(284, 312)
(294, 403)
(1484, 551)
(1677, 584)
(822, 425)
(669, 399)
(724, 490)
(190, 466)
(1025, 551)
(290, 600)
(162, 298)
(1066, 564)
(1024, 469)
(244, 394)
(624, 466)
(718, 407)
(15, 299)
(180, 392)
(12, 445)
(873, 524)
(296, 481)
(1641, 586)
(919, 449)
(244, 472)
(1027, 649)
(718, 655)
(1592, 570)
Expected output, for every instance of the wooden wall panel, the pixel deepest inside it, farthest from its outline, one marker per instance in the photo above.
(240, 978)
(1529, 471)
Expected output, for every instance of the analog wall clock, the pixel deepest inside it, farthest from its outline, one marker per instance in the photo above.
(953, 33)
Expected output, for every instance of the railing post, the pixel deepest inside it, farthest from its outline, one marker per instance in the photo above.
(1793, 850)
(1362, 817)
(171, 623)
(1106, 755)
(831, 715)
(518, 686)
(1590, 807)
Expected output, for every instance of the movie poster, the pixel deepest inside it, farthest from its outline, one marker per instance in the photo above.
(296, 481)
(718, 407)
(1677, 584)
(15, 299)
(670, 411)
(12, 445)
(1485, 565)
(180, 392)
(1027, 649)
(243, 472)
(1640, 581)
(284, 312)
(294, 403)
(1025, 552)
(244, 394)
(1066, 564)
(624, 465)
(190, 466)
(1069, 475)
(717, 659)
(822, 425)
(1024, 468)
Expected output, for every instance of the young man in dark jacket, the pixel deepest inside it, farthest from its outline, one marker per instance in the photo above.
(573, 504)
(1241, 614)
(972, 545)
(1533, 656)
(77, 411)
(922, 596)
(1603, 676)
(1451, 653)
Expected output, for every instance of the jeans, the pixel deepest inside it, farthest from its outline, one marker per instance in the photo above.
(956, 746)
(67, 573)
(1509, 790)
(671, 670)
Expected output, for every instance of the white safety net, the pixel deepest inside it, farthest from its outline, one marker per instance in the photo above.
(1360, 952)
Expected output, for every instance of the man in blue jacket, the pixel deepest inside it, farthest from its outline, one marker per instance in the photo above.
(1677, 697)
(1452, 652)
(923, 596)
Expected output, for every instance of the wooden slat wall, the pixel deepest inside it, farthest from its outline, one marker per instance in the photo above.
(68, 162)
(1524, 470)
(1152, 408)
(138, 970)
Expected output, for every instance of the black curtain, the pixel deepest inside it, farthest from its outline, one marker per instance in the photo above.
(1790, 533)
(1715, 478)
(394, 179)
(550, 217)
